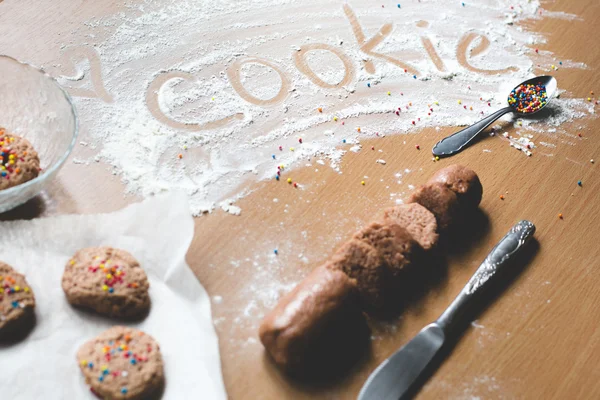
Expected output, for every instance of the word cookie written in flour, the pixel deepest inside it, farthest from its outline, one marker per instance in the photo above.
(122, 363)
(107, 280)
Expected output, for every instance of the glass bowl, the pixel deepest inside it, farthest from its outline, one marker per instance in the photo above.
(33, 105)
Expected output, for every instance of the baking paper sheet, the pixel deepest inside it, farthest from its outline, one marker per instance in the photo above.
(158, 233)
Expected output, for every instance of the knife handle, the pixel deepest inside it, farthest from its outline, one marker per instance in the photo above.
(493, 265)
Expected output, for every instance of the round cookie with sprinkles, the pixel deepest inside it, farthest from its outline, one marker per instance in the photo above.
(107, 280)
(122, 363)
(19, 162)
(16, 299)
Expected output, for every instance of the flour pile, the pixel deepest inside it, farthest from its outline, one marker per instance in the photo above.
(208, 96)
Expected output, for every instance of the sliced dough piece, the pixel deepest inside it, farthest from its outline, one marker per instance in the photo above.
(441, 201)
(314, 323)
(416, 219)
(463, 181)
(377, 256)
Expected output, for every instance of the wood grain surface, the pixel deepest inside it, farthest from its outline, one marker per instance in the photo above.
(539, 340)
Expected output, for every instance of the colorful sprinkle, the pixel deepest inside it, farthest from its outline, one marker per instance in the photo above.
(362, 183)
(528, 98)
(579, 183)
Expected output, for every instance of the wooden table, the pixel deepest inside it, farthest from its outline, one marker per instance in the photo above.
(539, 340)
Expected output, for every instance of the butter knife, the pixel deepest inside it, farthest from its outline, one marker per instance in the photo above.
(395, 376)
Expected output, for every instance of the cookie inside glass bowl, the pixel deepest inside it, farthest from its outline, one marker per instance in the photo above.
(37, 115)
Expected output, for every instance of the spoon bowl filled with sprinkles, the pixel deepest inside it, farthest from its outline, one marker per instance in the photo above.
(525, 99)
(532, 95)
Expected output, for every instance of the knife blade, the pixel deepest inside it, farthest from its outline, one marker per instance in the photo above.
(395, 377)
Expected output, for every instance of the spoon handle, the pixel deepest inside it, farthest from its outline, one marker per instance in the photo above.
(459, 140)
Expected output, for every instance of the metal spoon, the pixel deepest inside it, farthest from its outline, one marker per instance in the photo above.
(461, 139)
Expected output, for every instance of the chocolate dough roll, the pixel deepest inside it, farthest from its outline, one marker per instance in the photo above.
(377, 256)
(463, 181)
(361, 261)
(441, 201)
(316, 325)
(416, 219)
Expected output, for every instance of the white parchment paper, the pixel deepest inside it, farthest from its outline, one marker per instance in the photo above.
(158, 233)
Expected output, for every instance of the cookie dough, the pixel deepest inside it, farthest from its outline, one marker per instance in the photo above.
(107, 280)
(16, 299)
(361, 261)
(463, 181)
(377, 256)
(315, 324)
(19, 162)
(122, 363)
(441, 201)
(416, 219)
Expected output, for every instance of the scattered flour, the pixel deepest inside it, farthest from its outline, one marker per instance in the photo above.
(243, 81)
(228, 206)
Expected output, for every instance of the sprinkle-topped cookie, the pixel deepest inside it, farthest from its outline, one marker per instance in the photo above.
(16, 298)
(122, 363)
(19, 162)
(109, 281)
